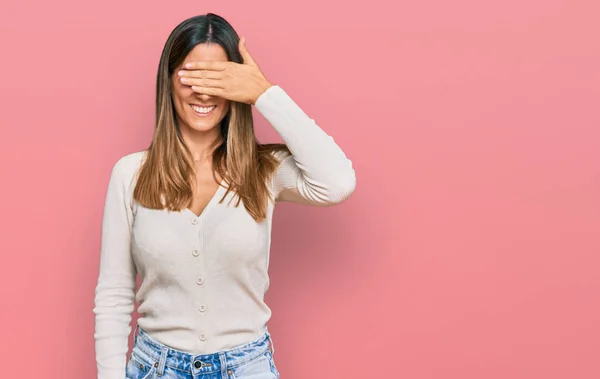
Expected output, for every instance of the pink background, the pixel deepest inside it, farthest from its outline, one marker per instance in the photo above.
(470, 249)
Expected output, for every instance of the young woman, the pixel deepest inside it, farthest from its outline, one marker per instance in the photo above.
(192, 215)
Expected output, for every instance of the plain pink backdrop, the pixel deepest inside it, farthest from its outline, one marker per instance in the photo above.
(470, 249)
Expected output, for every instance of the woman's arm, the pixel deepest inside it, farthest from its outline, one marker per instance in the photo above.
(115, 291)
(318, 171)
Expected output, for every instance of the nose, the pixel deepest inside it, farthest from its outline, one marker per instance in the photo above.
(203, 97)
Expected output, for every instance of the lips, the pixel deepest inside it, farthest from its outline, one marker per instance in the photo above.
(202, 110)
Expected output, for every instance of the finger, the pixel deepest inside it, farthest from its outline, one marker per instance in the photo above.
(213, 83)
(207, 65)
(245, 53)
(211, 91)
(208, 74)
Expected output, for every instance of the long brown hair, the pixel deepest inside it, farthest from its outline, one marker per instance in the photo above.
(166, 177)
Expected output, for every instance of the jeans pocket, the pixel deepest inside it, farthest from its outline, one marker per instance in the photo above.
(260, 367)
(139, 367)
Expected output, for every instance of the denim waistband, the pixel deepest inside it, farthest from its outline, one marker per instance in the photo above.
(164, 355)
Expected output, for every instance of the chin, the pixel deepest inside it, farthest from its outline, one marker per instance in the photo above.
(202, 125)
(203, 128)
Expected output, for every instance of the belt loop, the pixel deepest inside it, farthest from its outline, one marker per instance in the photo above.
(163, 361)
(271, 343)
(225, 371)
(135, 333)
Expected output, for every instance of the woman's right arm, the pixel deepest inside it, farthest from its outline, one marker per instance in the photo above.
(115, 291)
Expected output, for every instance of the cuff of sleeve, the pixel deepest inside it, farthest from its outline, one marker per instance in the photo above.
(284, 114)
(268, 96)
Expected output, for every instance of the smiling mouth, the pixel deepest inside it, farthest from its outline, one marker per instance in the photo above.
(202, 111)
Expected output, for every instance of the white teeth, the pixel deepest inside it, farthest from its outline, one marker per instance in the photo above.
(203, 109)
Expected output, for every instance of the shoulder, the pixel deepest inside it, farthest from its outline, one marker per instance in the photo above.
(280, 155)
(129, 162)
(126, 167)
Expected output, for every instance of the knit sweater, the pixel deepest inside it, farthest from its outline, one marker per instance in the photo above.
(203, 279)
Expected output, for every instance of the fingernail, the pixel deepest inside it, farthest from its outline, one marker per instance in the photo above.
(180, 73)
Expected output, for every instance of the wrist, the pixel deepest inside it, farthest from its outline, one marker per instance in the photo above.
(263, 88)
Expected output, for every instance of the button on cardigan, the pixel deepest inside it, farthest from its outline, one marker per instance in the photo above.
(203, 279)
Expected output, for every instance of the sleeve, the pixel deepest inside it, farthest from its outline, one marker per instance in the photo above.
(115, 290)
(317, 172)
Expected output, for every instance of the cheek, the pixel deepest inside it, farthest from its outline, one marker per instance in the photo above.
(184, 92)
(182, 96)
(224, 108)
(180, 90)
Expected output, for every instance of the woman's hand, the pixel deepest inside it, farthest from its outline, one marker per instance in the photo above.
(243, 83)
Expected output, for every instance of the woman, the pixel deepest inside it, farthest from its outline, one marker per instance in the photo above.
(192, 214)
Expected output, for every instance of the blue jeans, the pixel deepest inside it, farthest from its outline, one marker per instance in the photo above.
(151, 359)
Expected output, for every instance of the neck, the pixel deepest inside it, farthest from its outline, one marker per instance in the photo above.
(199, 143)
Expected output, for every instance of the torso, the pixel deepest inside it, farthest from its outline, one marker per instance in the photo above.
(218, 260)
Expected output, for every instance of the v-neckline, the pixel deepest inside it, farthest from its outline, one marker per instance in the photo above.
(210, 202)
